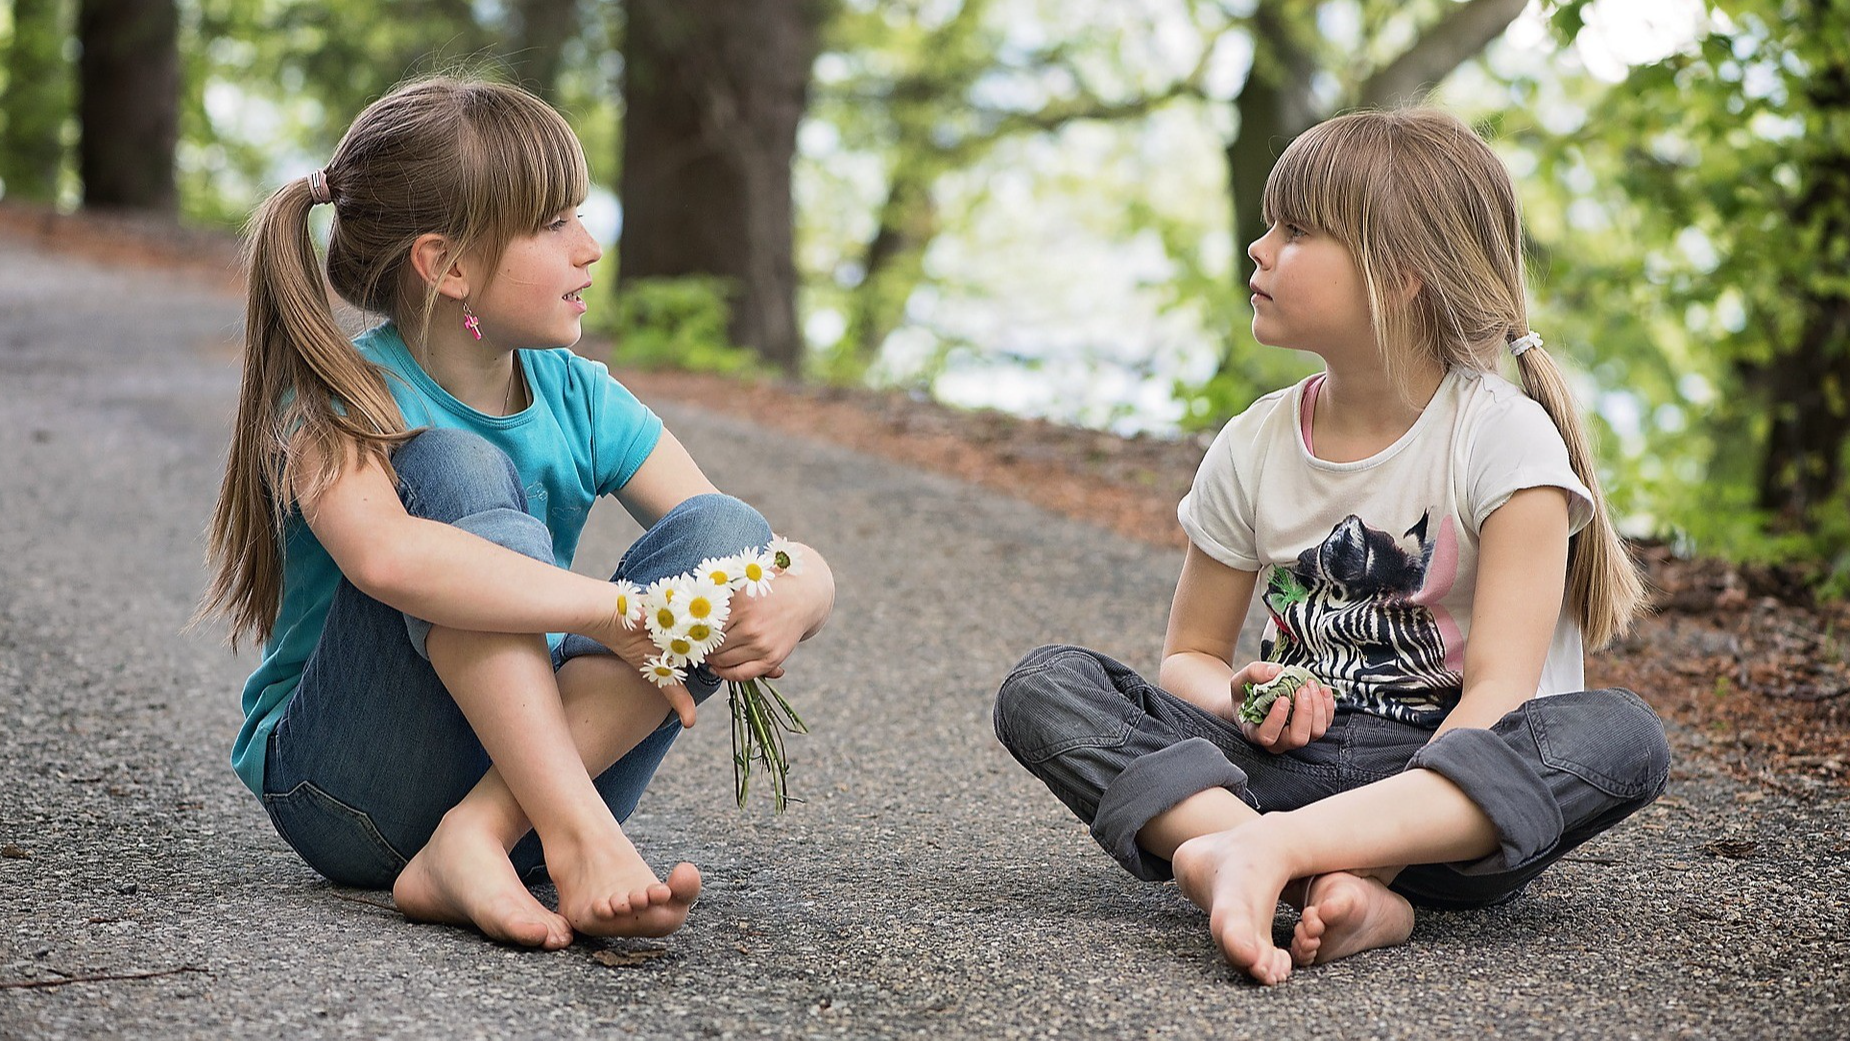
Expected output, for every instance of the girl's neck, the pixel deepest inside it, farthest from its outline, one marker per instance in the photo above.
(1361, 409)
(481, 376)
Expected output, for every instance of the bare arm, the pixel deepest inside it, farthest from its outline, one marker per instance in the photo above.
(443, 574)
(1204, 629)
(1521, 579)
(668, 478)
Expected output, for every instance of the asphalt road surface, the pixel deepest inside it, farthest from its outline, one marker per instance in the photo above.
(925, 885)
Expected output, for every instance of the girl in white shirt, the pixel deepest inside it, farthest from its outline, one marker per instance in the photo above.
(1430, 542)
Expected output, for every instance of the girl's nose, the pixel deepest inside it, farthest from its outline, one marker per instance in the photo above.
(1260, 251)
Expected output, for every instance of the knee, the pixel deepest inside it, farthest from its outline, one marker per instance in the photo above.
(446, 474)
(1612, 739)
(719, 525)
(1643, 733)
(1037, 695)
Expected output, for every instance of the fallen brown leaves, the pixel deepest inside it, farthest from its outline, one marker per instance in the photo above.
(628, 959)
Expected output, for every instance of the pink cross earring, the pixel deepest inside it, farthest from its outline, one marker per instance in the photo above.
(471, 322)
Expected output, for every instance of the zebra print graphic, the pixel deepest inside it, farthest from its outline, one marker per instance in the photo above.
(1346, 611)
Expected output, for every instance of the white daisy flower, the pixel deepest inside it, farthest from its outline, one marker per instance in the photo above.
(705, 639)
(756, 567)
(785, 555)
(662, 672)
(664, 607)
(721, 571)
(707, 602)
(629, 603)
(679, 649)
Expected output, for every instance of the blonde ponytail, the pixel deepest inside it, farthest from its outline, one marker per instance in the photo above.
(1605, 589)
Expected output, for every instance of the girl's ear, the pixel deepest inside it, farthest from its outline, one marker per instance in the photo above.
(1410, 289)
(437, 264)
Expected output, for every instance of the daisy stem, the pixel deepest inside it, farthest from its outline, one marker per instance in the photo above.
(758, 727)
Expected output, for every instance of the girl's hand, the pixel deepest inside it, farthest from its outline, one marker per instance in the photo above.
(635, 648)
(1292, 723)
(763, 630)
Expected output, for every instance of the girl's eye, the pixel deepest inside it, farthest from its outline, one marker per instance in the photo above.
(1295, 232)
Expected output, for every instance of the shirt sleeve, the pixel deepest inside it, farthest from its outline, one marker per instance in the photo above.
(623, 430)
(1519, 447)
(1216, 513)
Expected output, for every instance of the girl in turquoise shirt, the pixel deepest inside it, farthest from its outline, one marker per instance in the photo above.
(399, 514)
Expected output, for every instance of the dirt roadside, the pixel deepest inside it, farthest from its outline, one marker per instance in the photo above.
(1753, 667)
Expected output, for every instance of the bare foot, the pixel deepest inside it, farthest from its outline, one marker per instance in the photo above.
(462, 877)
(1345, 914)
(606, 889)
(1236, 879)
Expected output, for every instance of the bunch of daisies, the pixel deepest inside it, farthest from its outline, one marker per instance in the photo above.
(686, 619)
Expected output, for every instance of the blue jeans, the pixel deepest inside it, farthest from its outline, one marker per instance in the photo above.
(372, 750)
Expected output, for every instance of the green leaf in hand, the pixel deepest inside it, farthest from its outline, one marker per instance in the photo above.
(1260, 696)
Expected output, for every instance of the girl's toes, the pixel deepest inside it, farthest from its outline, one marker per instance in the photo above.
(684, 883)
(558, 935)
(1304, 950)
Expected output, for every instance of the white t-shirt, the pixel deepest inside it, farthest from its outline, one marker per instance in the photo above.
(1369, 567)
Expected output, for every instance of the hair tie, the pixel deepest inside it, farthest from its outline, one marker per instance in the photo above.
(318, 187)
(1524, 342)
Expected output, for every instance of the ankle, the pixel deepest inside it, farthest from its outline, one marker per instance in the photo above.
(566, 835)
(466, 818)
(1280, 839)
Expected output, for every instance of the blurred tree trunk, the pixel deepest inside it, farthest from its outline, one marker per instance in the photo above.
(538, 32)
(713, 91)
(37, 100)
(1277, 105)
(129, 95)
(1808, 389)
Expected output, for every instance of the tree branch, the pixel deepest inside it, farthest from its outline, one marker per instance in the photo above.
(103, 978)
(1089, 106)
(1464, 32)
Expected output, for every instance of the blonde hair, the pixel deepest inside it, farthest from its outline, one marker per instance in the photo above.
(1419, 200)
(475, 162)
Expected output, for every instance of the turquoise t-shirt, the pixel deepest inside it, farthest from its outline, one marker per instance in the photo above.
(584, 436)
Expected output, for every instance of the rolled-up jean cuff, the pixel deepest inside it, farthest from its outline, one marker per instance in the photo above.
(700, 682)
(1505, 786)
(504, 526)
(1151, 785)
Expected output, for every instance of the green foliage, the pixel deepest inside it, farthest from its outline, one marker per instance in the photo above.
(36, 99)
(1693, 238)
(675, 323)
(270, 85)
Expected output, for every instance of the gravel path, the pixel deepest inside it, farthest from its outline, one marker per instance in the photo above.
(926, 886)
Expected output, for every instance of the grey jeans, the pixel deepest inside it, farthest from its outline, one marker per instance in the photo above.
(1118, 751)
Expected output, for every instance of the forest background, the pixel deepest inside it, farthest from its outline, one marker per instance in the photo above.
(1043, 205)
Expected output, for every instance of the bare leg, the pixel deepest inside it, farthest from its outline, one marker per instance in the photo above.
(1346, 908)
(547, 736)
(1417, 817)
